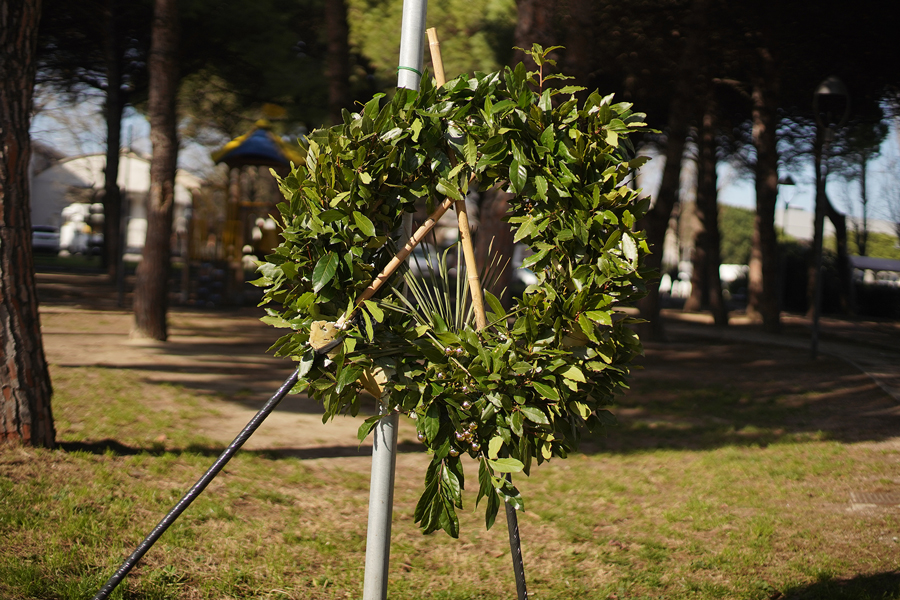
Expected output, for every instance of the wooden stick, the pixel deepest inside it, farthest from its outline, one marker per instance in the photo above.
(401, 256)
(435, 46)
(465, 234)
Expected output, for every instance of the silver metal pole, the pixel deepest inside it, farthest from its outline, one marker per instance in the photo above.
(384, 452)
(381, 504)
(412, 44)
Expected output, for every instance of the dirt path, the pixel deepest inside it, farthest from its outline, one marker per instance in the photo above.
(219, 354)
(222, 356)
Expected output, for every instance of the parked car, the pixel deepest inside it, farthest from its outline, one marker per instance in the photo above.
(45, 239)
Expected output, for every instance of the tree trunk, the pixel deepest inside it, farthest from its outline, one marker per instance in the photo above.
(495, 238)
(706, 264)
(536, 24)
(656, 222)
(843, 259)
(580, 28)
(338, 60)
(763, 301)
(862, 230)
(152, 285)
(115, 104)
(25, 390)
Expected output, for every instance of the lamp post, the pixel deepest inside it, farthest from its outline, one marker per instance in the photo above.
(831, 107)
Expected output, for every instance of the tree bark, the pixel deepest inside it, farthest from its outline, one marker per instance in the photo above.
(839, 221)
(115, 105)
(494, 237)
(25, 390)
(338, 60)
(707, 244)
(762, 289)
(862, 230)
(152, 285)
(536, 24)
(656, 222)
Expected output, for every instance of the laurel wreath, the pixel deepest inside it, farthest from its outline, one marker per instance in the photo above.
(521, 390)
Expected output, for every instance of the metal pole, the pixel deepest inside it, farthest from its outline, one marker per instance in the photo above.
(412, 44)
(198, 487)
(384, 452)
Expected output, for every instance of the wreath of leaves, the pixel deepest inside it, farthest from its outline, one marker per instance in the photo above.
(522, 389)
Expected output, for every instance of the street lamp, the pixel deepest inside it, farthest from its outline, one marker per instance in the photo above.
(831, 107)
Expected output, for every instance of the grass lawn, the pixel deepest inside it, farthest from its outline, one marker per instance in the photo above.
(732, 474)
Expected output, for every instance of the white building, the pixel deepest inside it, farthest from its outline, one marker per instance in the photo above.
(80, 179)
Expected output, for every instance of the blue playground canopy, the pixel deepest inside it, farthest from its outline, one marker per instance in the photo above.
(259, 147)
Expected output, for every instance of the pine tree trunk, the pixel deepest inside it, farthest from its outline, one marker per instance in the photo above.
(152, 285)
(707, 244)
(656, 223)
(25, 390)
(495, 238)
(762, 301)
(338, 59)
(115, 104)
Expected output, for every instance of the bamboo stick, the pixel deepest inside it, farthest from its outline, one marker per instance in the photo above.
(436, 61)
(401, 256)
(465, 233)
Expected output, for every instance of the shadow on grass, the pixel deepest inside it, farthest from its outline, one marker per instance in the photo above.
(703, 396)
(878, 586)
(116, 448)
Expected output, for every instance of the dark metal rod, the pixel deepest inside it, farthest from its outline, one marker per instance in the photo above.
(515, 549)
(198, 487)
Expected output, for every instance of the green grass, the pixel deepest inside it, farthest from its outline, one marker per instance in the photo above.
(706, 518)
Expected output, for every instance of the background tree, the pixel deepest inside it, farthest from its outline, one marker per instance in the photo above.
(151, 288)
(861, 143)
(25, 390)
(99, 45)
(706, 286)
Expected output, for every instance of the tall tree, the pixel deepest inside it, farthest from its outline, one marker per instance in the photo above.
(151, 288)
(25, 390)
(762, 301)
(706, 286)
(688, 82)
(338, 59)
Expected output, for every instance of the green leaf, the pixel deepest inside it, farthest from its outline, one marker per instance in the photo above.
(495, 305)
(629, 248)
(366, 427)
(506, 465)
(432, 422)
(600, 316)
(574, 373)
(546, 391)
(348, 376)
(540, 183)
(375, 311)
(494, 446)
(324, 270)
(276, 321)
(448, 519)
(517, 176)
(364, 224)
(525, 230)
(534, 414)
(471, 151)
